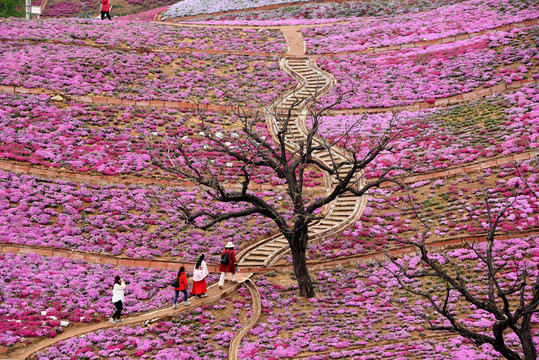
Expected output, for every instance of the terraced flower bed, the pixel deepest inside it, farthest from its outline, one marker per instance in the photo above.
(144, 35)
(362, 312)
(143, 16)
(438, 138)
(113, 140)
(41, 296)
(328, 11)
(439, 71)
(446, 204)
(456, 19)
(67, 8)
(199, 7)
(204, 332)
(151, 3)
(133, 221)
(79, 70)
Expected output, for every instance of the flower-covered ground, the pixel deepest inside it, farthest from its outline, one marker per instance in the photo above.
(461, 18)
(358, 312)
(439, 138)
(202, 333)
(362, 313)
(82, 70)
(136, 35)
(439, 71)
(120, 8)
(297, 14)
(452, 205)
(42, 296)
(114, 140)
(198, 7)
(134, 221)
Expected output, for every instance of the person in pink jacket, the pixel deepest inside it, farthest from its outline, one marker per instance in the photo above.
(105, 8)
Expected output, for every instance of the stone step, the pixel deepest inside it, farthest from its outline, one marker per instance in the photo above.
(344, 210)
(260, 258)
(274, 246)
(263, 251)
(251, 263)
(348, 199)
(339, 217)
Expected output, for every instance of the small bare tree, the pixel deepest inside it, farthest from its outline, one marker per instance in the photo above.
(511, 302)
(287, 155)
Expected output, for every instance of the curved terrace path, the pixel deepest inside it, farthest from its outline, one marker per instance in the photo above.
(264, 254)
(144, 319)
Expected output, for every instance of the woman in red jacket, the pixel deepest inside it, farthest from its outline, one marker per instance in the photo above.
(182, 287)
(230, 267)
(105, 8)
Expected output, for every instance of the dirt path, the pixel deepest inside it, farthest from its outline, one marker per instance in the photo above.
(214, 294)
(256, 313)
(96, 179)
(296, 43)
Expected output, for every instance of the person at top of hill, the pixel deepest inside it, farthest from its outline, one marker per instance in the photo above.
(105, 8)
(228, 263)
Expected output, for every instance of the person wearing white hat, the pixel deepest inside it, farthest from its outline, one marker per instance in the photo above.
(228, 263)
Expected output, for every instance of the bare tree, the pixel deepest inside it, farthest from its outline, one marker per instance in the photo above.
(286, 155)
(511, 302)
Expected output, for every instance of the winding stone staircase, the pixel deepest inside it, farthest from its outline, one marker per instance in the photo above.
(347, 208)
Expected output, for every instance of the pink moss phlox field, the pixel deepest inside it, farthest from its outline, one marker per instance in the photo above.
(113, 140)
(152, 3)
(129, 75)
(317, 13)
(439, 138)
(41, 296)
(143, 16)
(462, 18)
(67, 8)
(198, 7)
(360, 308)
(382, 226)
(133, 221)
(136, 34)
(200, 333)
(410, 76)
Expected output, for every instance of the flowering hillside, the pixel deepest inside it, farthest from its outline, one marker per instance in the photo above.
(99, 123)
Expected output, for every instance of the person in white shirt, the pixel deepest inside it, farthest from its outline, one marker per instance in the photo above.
(199, 277)
(118, 298)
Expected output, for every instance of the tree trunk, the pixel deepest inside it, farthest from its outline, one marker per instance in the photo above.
(526, 339)
(499, 344)
(298, 246)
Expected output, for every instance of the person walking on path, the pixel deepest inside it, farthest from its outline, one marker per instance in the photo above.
(199, 277)
(183, 285)
(118, 298)
(105, 9)
(228, 263)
